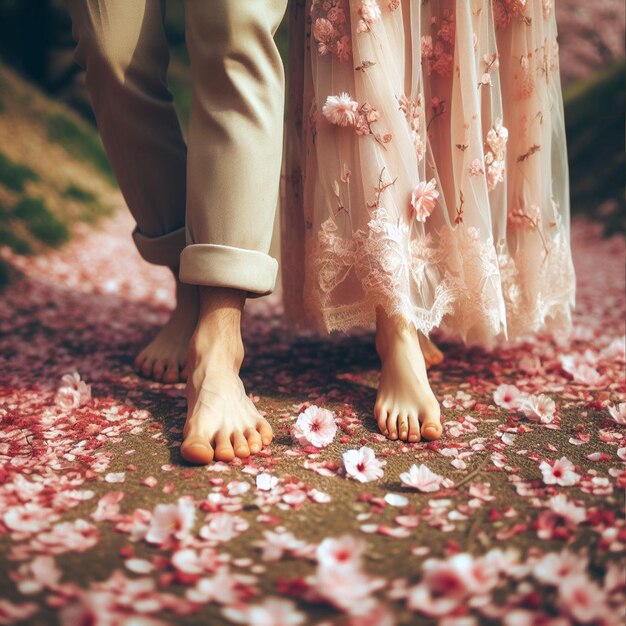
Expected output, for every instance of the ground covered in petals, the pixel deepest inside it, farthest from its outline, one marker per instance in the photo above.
(516, 514)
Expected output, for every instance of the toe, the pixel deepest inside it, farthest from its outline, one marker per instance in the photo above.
(414, 428)
(254, 440)
(403, 426)
(146, 367)
(158, 369)
(223, 447)
(392, 425)
(431, 429)
(139, 359)
(240, 445)
(265, 430)
(431, 423)
(380, 414)
(184, 372)
(171, 372)
(196, 449)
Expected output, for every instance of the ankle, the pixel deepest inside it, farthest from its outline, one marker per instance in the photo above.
(390, 331)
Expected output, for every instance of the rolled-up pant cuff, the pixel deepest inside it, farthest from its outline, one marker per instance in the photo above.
(214, 265)
(161, 250)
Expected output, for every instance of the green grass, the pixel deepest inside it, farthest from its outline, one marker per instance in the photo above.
(41, 223)
(10, 239)
(79, 140)
(91, 209)
(14, 175)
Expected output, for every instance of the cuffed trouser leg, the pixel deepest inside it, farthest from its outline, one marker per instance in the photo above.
(123, 48)
(235, 143)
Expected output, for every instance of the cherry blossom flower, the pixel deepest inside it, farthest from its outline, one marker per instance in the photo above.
(507, 396)
(345, 551)
(315, 427)
(560, 472)
(424, 479)
(444, 586)
(223, 588)
(223, 527)
(538, 408)
(29, 518)
(582, 598)
(73, 392)
(340, 579)
(266, 482)
(272, 612)
(189, 561)
(618, 413)
(341, 110)
(553, 567)
(362, 464)
(423, 200)
(275, 545)
(171, 521)
(76, 536)
(41, 573)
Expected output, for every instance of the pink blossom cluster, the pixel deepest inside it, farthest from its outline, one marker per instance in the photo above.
(329, 29)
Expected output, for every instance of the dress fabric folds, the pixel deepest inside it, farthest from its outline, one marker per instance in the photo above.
(425, 168)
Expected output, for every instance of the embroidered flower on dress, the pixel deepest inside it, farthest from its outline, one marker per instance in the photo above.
(370, 13)
(423, 200)
(495, 157)
(506, 10)
(329, 21)
(341, 110)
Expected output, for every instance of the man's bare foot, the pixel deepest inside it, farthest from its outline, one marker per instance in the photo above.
(432, 354)
(165, 357)
(406, 407)
(222, 422)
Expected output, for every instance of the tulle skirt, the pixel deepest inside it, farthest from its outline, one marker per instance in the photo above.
(425, 168)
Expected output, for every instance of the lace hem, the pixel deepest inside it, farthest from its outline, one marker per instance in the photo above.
(465, 284)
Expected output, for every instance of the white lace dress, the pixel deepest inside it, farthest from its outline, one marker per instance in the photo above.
(425, 168)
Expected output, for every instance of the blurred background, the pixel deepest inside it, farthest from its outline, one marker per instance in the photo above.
(53, 169)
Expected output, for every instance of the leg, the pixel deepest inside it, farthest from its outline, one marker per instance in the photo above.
(222, 422)
(235, 146)
(406, 407)
(123, 48)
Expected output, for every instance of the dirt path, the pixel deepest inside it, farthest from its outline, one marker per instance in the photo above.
(90, 496)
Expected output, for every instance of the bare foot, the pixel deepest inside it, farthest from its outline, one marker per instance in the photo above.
(222, 421)
(165, 357)
(432, 354)
(406, 408)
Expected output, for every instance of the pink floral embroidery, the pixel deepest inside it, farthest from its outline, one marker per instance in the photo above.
(423, 200)
(495, 156)
(414, 112)
(370, 13)
(506, 10)
(440, 54)
(329, 20)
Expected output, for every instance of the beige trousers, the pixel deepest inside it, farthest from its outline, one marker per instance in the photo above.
(208, 206)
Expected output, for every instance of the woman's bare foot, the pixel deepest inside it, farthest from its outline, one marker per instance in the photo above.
(432, 354)
(222, 422)
(406, 407)
(165, 357)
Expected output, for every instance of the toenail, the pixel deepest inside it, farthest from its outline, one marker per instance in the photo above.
(413, 437)
(403, 433)
(431, 430)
